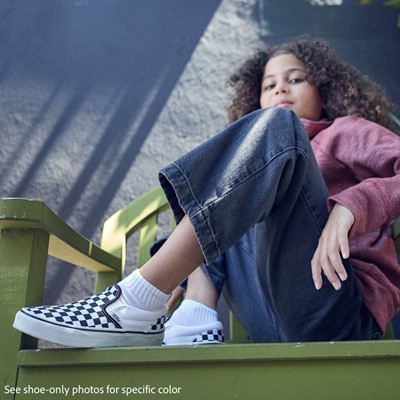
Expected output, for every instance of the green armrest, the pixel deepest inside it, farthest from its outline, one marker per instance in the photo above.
(64, 242)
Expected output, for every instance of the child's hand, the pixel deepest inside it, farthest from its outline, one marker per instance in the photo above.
(333, 241)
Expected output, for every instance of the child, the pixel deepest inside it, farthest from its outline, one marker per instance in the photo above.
(347, 92)
(292, 214)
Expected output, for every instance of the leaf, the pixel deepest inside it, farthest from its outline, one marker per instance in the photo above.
(394, 117)
(392, 3)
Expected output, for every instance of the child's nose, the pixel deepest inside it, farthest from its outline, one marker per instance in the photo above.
(281, 88)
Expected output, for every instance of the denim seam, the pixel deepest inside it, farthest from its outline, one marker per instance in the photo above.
(247, 251)
(311, 211)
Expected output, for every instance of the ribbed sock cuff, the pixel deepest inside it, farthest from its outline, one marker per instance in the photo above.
(192, 313)
(140, 293)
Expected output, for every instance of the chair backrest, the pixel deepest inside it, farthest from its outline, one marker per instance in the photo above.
(140, 215)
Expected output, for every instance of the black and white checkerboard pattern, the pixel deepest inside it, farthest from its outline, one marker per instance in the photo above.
(212, 336)
(89, 313)
(86, 313)
(159, 325)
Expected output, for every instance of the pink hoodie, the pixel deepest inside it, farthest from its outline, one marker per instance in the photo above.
(360, 162)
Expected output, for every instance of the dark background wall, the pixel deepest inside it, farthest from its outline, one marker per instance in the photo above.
(97, 95)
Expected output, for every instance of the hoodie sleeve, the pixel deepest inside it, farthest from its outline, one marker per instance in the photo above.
(373, 154)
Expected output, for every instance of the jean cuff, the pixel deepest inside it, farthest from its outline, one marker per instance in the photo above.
(183, 201)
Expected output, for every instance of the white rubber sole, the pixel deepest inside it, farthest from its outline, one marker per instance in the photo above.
(189, 342)
(83, 338)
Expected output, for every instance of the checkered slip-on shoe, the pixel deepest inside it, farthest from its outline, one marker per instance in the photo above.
(102, 320)
(180, 335)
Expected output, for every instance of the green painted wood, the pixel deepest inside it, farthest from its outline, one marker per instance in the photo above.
(29, 232)
(139, 215)
(365, 350)
(299, 380)
(237, 332)
(124, 222)
(148, 234)
(349, 370)
(23, 255)
(65, 243)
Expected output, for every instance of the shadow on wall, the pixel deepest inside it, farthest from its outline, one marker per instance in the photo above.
(130, 53)
(139, 49)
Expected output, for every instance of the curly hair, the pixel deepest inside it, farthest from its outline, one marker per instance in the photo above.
(343, 89)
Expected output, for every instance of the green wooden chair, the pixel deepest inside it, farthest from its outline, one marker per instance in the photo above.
(30, 232)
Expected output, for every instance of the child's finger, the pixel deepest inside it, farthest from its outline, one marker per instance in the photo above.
(336, 262)
(321, 263)
(343, 241)
(330, 272)
(329, 258)
(344, 244)
(316, 270)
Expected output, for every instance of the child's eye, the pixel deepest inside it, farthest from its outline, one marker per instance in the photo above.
(269, 87)
(296, 80)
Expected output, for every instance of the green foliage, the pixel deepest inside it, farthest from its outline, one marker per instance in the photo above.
(392, 3)
(387, 3)
(395, 118)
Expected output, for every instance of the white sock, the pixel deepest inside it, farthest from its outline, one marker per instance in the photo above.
(140, 293)
(191, 313)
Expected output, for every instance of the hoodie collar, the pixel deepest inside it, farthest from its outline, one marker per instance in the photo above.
(314, 127)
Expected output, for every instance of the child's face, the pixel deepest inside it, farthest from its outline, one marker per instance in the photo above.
(285, 85)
